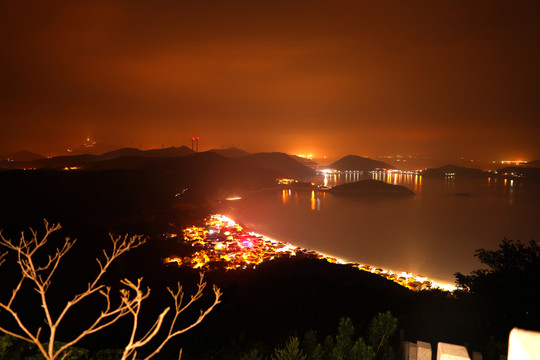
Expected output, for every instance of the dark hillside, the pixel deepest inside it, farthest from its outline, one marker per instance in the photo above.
(290, 296)
(527, 172)
(168, 152)
(230, 152)
(307, 162)
(153, 191)
(371, 188)
(121, 153)
(281, 162)
(210, 175)
(87, 161)
(358, 163)
(23, 156)
(454, 170)
(57, 162)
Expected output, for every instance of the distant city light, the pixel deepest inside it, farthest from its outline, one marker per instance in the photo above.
(232, 198)
(513, 162)
(286, 181)
(89, 143)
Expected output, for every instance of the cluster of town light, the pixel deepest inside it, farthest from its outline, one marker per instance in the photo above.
(512, 162)
(223, 243)
(286, 181)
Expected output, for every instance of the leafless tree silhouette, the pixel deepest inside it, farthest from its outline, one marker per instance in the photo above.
(28, 250)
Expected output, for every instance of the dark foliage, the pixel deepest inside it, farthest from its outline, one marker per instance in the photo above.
(507, 293)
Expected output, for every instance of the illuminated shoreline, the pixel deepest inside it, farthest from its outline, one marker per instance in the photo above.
(223, 243)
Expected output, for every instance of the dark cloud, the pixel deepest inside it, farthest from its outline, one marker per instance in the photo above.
(342, 77)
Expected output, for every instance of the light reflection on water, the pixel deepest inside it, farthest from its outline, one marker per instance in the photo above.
(434, 233)
(411, 180)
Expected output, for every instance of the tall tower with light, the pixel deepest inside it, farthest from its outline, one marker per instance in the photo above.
(195, 143)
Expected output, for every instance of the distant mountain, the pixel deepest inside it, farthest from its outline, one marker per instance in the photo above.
(533, 163)
(24, 156)
(455, 171)
(57, 162)
(130, 158)
(281, 162)
(168, 152)
(231, 152)
(123, 162)
(358, 163)
(153, 153)
(120, 153)
(528, 172)
(147, 190)
(205, 174)
(91, 147)
(371, 188)
(307, 162)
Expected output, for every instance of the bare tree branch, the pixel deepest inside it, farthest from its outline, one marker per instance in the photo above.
(2, 255)
(178, 296)
(131, 297)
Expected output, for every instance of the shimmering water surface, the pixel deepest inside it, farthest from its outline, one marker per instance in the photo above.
(433, 233)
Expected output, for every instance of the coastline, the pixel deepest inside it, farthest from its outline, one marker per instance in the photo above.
(223, 240)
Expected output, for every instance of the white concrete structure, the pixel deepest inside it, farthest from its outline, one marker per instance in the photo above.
(410, 350)
(476, 355)
(451, 352)
(423, 350)
(523, 345)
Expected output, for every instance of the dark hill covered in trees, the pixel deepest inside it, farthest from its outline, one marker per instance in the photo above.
(153, 153)
(231, 152)
(85, 160)
(168, 152)
(281, 162)
(305, 161)
(127, 191)
(372, 188)
(23, 156)
(454, 170)
(358, 163)
(57, 162)
(527, 172)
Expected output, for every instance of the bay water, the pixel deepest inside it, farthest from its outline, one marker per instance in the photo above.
(434, 233)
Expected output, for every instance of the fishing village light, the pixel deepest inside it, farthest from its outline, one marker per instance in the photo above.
(223, 243)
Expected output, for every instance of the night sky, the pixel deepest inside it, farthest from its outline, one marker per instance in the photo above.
(439, 78)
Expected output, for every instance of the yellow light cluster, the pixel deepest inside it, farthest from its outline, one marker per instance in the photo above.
(410, 281)
(286, 181)
(224, 243)
(513, 162)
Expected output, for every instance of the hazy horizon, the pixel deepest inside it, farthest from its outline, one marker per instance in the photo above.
(446, 80)
(400, 161)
